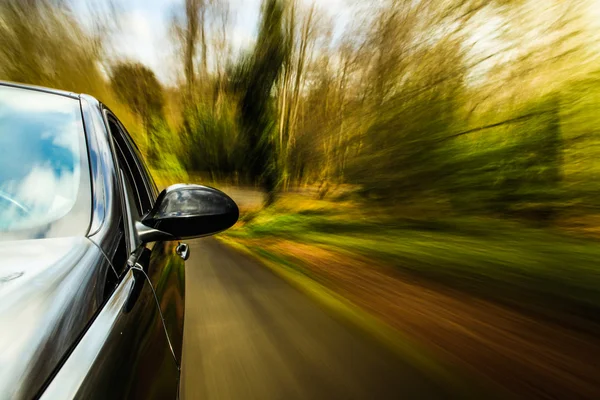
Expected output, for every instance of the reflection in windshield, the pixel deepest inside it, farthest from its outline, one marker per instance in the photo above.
(39, 157)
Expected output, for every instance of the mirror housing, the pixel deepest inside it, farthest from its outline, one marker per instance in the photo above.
(188, 211)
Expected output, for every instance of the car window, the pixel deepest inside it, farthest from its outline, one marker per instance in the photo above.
(44, 170)
(143, 167)
(131, 162)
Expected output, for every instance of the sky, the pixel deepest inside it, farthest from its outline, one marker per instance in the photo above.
(144, 28)
(144, 36)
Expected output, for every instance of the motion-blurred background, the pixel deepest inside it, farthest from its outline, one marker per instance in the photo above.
(435, 163)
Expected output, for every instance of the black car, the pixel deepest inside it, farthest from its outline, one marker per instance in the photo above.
(92, 278)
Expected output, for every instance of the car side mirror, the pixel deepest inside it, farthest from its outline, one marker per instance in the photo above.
(188, 211)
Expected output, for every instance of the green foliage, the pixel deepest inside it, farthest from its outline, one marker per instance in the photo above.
(512, 168)
(536, 270)
(213, 140)
(402, 154)
(137, 86)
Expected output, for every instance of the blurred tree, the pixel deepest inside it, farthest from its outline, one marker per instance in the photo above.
(188, 27)
(256, 77)
(221, 54)
(409, 105)
(297, 48)
(41, 43)
(208, 126)
(137, 87)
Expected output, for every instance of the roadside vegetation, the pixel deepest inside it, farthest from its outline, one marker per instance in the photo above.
(514, 302)
(544, 271)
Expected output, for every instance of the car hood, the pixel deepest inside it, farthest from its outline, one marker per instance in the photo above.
(48, 294)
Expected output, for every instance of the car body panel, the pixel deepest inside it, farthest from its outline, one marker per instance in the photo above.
(98, 156)
(40, 89)
(166, 272)
(124, 354)
(50, 290)
(107, 206)
(166, 269)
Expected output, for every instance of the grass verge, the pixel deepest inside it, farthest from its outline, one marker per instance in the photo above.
(544, 272)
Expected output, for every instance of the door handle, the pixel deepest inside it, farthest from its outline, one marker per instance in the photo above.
(136, 289)
(183, 250)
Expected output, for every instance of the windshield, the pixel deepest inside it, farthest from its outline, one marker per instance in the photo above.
(44, 178)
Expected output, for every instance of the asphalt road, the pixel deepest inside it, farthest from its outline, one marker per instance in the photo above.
(250, 335)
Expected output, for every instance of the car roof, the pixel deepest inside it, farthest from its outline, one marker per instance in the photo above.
(40, 89)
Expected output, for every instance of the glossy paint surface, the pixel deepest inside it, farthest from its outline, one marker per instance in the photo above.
(187, 211)
(50, 289)
(166, 271)
(163, 266)
(107, 206)
(99, 180)
(124, 354)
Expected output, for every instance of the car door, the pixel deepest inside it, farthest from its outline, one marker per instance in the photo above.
(126, 352)
(164, 267)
